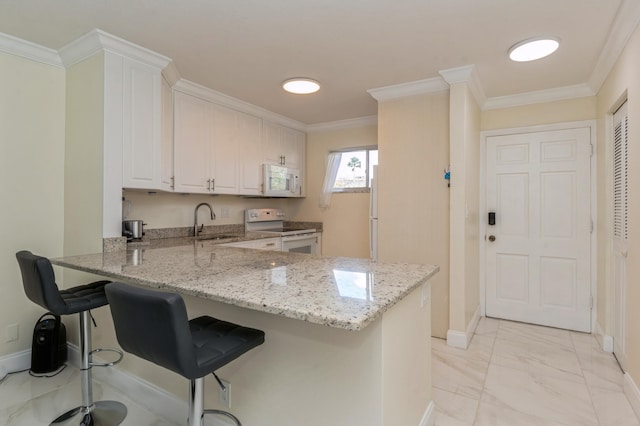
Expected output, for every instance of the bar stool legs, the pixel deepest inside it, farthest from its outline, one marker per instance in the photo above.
(196, 405)
(100, 413)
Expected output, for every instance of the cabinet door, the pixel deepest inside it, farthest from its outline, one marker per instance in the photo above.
(292, 146)
(166, 169)
(192, 138)
(225, 153)
(250, 158)
(272, 147)
(141, 125)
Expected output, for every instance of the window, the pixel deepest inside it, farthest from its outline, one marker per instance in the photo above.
(355, 170)
(350, 170)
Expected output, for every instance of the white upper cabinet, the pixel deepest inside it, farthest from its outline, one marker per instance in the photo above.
(282, 145)
(145, 152)
(217, 149)
(286, 147)
(192, 136)
(250, 158)
(166, 168)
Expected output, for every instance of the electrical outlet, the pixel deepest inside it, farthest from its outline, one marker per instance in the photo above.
(425, 294)
(225, 395)
(12, 333)
(224, 212)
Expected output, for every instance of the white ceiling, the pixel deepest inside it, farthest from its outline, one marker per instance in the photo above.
(246, 48)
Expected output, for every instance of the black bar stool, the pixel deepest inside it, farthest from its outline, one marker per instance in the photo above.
(39, 282)
(154, 326)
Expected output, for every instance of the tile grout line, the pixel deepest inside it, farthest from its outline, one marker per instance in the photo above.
(575, 349)
(486, 374)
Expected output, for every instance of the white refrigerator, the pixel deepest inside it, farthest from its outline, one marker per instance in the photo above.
(373, 216)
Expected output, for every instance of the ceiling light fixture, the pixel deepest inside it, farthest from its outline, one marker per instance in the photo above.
(533, 48)
(301, 86)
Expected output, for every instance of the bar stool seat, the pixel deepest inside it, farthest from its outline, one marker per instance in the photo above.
(38, 280)
(154, 326)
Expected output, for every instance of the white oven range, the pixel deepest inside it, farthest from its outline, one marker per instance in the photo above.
(271, 221)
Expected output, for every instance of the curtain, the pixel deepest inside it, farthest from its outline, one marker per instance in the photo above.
(333, 164)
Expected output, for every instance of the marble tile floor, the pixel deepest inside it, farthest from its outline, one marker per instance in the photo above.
(30, 401)
(517, 374)
(512, 374)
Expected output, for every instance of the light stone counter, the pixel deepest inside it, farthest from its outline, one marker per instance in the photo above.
(338, 292)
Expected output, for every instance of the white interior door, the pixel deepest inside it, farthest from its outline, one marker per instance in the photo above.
(538, 251)
(620, 222)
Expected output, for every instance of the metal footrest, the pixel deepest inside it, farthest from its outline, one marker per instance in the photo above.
(106, 364)
(224, 413)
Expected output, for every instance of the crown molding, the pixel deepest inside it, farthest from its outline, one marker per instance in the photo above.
(412, 88)
(171, 73)
(624, 24)
(466, 74)
(194, 89)
(539, 96)
(97, 40)
(370, 120)
(26, 49)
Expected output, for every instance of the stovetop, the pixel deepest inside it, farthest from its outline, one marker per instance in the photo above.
(270, 221)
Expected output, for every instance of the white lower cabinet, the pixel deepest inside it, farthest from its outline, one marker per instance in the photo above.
(262, 244)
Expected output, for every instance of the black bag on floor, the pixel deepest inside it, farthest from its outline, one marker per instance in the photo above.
(49, 347)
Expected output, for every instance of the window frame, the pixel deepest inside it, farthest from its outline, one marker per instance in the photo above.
(362, 189)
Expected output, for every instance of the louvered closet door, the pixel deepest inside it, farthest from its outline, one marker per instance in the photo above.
(538, 261)
(620, 223)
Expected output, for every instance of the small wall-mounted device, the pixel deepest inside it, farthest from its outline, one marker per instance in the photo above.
(492, 218)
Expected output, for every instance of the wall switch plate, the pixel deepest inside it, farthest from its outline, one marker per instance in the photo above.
(225, 395)
(224, 212)
(12, 333)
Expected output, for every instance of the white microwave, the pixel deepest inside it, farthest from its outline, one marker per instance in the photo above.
(280, 181)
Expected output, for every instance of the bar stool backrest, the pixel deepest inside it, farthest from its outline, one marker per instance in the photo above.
(154, 326)
(39, 282)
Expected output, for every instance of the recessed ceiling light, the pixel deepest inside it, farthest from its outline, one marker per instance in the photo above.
(533, 48)
(301, 86)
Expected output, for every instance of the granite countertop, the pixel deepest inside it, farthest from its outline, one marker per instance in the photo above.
(340, 292)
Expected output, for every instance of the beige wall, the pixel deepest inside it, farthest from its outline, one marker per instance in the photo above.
(413, 143)
(542, 113)
(32, 171)
(346, 221)
(623, 79)
(465, 169)
(472, 197)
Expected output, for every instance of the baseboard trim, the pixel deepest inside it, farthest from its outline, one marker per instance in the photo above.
(633, 393)
(429, 416)
(15, 362)
(606, 341)
(461, 340)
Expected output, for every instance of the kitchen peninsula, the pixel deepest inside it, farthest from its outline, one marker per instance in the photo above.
(347, 340)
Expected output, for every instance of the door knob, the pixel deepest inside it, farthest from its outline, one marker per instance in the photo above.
(492, 238)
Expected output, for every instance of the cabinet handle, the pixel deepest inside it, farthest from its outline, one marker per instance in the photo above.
(173, 182)
(213, 185)
(270, 244)
(208, 184)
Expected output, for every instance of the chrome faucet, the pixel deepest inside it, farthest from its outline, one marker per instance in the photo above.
(195, 218)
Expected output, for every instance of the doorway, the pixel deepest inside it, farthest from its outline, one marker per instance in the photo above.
(538, 250)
